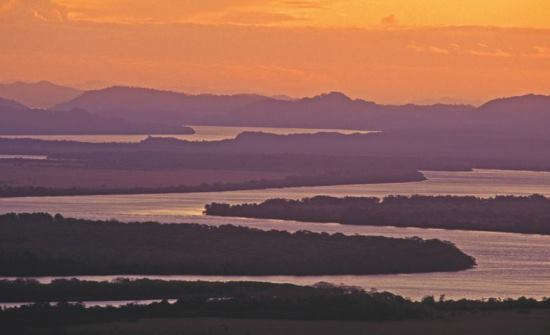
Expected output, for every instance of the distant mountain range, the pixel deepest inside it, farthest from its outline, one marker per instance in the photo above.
(18, 119)
(530, 103)
(327, 110)
(42, 94)
(330, 110)
(153, 105)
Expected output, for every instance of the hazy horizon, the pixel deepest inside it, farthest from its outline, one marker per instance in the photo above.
(97, 87)
(391, 52)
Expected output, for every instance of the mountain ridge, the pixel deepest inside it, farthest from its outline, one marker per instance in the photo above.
(41, 94)
(18, 119)
(327, 110)
(528, 102)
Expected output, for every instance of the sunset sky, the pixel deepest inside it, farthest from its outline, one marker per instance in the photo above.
(391, 51)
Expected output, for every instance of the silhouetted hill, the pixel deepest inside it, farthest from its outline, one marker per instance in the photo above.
(41, 94)
(11, 104)
(331, 110)
(18, 119)
(530, 103)
(159, 106)
(437, 150)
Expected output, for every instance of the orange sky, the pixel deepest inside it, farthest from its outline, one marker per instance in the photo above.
(384, 50)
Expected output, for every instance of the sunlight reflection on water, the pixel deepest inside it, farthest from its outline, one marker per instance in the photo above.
(509, 265)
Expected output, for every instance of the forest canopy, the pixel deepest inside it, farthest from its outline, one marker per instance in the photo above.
(530, 214)
(41, 244)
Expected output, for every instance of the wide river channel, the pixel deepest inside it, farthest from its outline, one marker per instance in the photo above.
(509, 265)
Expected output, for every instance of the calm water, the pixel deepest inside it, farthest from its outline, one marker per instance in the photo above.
(114, 303)
(509, 265)
(32, 157)
(202, 133)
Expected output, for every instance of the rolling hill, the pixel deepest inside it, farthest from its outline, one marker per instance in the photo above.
(331, 110)
(41, 94)
(18, 119)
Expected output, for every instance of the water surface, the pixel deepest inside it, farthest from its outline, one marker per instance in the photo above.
(188, 207)
(509, 265)
(202, 133)
(31, 157)
(114, 303)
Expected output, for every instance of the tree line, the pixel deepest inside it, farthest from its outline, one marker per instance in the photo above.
(322, 301)
(40, 244)
(523, 214)
(329, 179)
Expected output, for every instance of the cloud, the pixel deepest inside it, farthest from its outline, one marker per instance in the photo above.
(161, 11)
(390, 20)
(428, 48)
(538, 52)
(259, 18)
(21, 11)
(438, 50)
(304, 4)
(490, 53)
(475, 49)
(388, 65)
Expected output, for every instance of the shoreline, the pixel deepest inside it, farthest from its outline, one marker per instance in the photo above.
(24, 192)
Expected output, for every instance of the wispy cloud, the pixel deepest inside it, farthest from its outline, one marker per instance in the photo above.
(390, 20)
(490, 53)
(24, 11)
(305, 4)
(257, 18)
(146, 11)
(538, 51)
(428, 48)
(389, 65)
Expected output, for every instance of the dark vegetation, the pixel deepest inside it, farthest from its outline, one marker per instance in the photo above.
(503, 213)
(511, 322)
(435, 149)
(502, 134)
(169, 155)
(290, 181)
(28, 290)
(240, 300)
(305, 159)
(54, 175)
(39, 244)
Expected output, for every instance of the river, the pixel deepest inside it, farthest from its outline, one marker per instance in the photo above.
(509, 265)
(202, 133)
